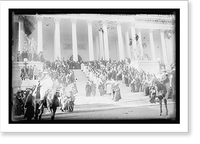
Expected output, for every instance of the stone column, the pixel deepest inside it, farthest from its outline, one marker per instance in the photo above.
(57, 51)
(140, 42)
(127, 44)
(101, 50)
(39, 35)
(90, 41)
(173, 46)
(133, 39)
(153, 52)
(19, 36)
(120, 41)
(164, 50)
(105, 36)
(97, 48)
(74, 40)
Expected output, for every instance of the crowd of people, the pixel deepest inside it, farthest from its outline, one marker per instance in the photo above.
(19, 101)
(61, 70)
(30, 72)
(30, 56)
(58, 70)
(105, 75)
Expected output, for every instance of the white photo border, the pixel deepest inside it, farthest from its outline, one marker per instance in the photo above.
(184, 100)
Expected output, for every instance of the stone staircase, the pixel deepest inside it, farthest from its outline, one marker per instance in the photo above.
(81, 82)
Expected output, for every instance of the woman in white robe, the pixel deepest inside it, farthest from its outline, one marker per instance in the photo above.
(95, 79)
(109, 87)
(82, 66)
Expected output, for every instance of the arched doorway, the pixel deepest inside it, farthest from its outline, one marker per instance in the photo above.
(79, 58)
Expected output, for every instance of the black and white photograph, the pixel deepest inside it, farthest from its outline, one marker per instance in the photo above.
(95, 65)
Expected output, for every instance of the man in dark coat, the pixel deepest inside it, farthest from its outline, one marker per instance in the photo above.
(29, 105)
(22, 74)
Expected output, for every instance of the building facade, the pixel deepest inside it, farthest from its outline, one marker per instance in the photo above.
(142, 38)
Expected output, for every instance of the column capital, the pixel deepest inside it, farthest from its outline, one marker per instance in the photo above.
(132, 24)
(162, 30)
(20, 18)
(89, 21)
(105, 22)
(139, 29)
(73, 20)
(39, 18)
(119, 22)
(169, 33)
(151, 30)
(57, 19)
(170, 30)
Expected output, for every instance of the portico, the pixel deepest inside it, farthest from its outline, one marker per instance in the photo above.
(109, 37)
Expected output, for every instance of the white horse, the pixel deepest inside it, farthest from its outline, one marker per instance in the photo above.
(46, 96)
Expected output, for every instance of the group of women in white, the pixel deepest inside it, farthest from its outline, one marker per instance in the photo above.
(98, 77)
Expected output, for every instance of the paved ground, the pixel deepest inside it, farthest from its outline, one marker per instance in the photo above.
(108, 111)
(131, 106)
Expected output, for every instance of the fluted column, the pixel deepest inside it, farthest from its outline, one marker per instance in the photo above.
(105, 36)
(74, 40)
(133, 39)
(19, 35)
(97, 48)
(120, 41)
(57, 51)
(90, 41)
(153, 52)
(101, 48)
(127, 44)
(140, 42)
(39, 34)
(164, 50)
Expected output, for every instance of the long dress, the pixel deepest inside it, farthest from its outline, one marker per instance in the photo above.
(101, 89)
(133, 85)
(74, 88)
(93, 87)
(117, 95)
(88, 90)
(109, 85)
(126, 79)
(70, 103)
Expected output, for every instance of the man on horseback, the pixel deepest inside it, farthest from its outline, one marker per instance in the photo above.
(46, 94)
